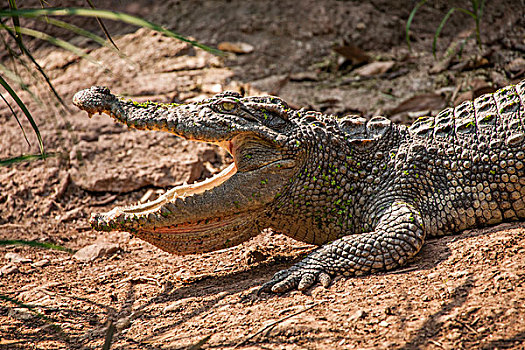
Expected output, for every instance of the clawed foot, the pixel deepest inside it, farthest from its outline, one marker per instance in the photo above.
(297, 277)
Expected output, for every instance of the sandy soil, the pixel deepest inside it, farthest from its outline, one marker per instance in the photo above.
(463, 291)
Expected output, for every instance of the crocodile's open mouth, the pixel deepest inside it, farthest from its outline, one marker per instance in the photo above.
(218, 212)
(182, 191)
(199, 217)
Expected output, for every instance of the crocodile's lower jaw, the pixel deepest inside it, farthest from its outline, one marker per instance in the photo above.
(153, 222)
(106, 221)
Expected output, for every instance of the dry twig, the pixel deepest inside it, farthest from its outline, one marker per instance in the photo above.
(273, 324)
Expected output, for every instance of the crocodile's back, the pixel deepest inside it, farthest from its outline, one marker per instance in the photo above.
(468, 162)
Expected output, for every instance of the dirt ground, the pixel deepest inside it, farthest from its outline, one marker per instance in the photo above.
(461, 292)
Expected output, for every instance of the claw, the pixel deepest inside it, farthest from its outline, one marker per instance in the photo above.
(277, 277)
(267, 287)
(298, 277)
(324, 279)
(286, 285)
(306, 282)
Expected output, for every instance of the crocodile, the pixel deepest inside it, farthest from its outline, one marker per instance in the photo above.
(367, 192)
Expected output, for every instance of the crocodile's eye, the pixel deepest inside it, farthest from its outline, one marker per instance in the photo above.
(228, 106)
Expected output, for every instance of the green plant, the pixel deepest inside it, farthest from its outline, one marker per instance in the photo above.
(36, 244)
(476, 14)
(17, 33)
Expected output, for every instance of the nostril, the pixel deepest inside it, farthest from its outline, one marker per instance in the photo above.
(100, 90)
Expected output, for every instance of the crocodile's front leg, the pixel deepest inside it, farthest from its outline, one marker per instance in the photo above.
(398, 236)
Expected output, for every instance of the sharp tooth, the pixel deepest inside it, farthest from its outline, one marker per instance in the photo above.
(146, 196)
(185, 183)
(182, 192)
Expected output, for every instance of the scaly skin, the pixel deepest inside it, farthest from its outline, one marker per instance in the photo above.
(368, 192)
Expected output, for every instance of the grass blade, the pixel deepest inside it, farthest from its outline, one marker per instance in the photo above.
(410, 19)
(481, 8)
(108, 339)
(440, 28)
(26, 112)
(478, 18)
(17, 120)
(55, 41)
(25, 158)
(112, 15)
(85, 33)
(39, 68)
(37, 245)
(478, 11)
(16, 23)
(467, 12)
(102, 26)
(16, 78)
(41, 316)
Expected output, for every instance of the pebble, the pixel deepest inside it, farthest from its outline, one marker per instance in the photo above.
(175, 306)
(235, 47)
(16, 258)
(21, 314)
(40, 263)
(123, 323)
(374, 68)
(8, 269)
(254, 256)
(96, 250)
(359, 314)
(69, 215)
(384, 324)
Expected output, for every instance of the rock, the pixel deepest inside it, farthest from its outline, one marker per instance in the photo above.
(360, 26)
(254, 256)
(304, 76)
(16, 258)
(96, 250)
(374, 68)
(21, 314)
(8, 269)
(511, 311)
(454, 334)
(69, 215)
(516, 67)
(384, 324)
(178, 305)
(212, 88)
(359, 314)
(40, 263)
(123, 323)
(464, 96)
(235, 47)
(423, 102)
(272, 84)
(433, 275)
(353, 53)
